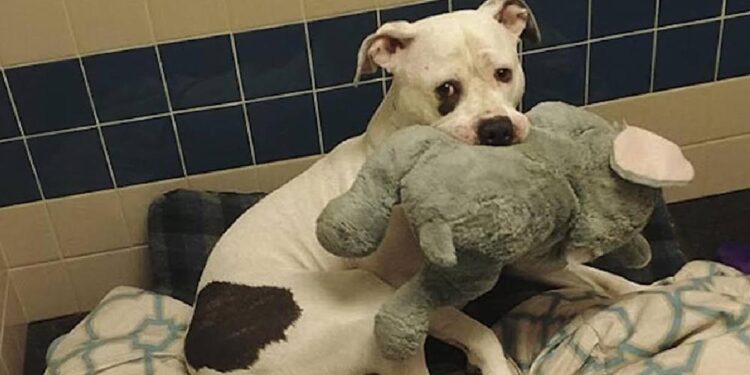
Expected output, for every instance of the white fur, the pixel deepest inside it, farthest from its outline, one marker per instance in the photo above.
(274, 242)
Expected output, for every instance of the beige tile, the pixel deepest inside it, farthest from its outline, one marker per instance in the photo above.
(246, 14)
(34, 30)
(14, 315)
(142, 261)
(720, 167)
(89, 223)
(11, 356)
(26, 235)
(15, 321)
(239, 180)
(136, 201)
(327, 8)
(273, 175)
(100, 25)
(94, 276)
(3, 283)
(687, 115)
(45, 291)
(180, 19)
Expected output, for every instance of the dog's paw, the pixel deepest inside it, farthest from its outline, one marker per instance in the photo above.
(399, 338)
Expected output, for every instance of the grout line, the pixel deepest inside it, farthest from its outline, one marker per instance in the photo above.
(163, 77)
(242, 97)
(97, 123)
(61, 131)
(55, 234)
(9, 140)
(133, 119)
(313, 83)
(720, 42)
(654, 45)
(22, 132)
(279, 96)
(347, 85)
(587, 72)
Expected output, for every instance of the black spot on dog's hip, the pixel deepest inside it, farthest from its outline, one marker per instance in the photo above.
(232, 323)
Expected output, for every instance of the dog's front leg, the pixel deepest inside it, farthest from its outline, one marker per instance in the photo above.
(481, 345)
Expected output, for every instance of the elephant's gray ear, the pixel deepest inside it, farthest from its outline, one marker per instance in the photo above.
(645, 158)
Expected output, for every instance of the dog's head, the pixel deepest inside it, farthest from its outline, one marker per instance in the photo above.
(459, 72)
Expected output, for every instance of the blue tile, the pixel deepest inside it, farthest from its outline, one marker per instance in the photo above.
(200, 72)
(413, 13)
(560, 22)
(335, 43)
(50, 96)
(126, 84)
(555, 75)
(18, 185)
(737, 6)
(70, 163)
(620, 67)
(143, 151)
(677, 11)
(8, 125)
(613, 17)
(345, 112)
(273, 61)
(466, 4)
(214, 140)
(686, 56)
(735, 49)
(283, 128)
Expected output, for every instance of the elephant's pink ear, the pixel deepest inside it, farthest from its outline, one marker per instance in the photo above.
(645, 158)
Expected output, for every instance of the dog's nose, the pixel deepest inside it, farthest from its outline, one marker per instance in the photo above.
(496, 131)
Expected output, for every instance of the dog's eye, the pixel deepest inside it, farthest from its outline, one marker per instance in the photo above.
(504, 75)
(449, 94)
(447, 89)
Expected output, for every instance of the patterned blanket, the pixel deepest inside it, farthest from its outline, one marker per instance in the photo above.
(130, 332)
(697, 322)
(184, 225)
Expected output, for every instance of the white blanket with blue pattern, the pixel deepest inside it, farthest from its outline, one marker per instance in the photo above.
(131, 332)
(697, 322)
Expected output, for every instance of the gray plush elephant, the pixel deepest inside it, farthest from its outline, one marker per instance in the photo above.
(577, 188)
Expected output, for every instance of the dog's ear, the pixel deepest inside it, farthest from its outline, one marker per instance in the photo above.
(516, 16)
(645, 158)
(384, 47)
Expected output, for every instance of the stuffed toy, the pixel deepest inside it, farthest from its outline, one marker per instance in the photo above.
(575, 189)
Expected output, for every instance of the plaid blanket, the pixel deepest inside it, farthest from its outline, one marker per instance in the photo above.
(184, 226)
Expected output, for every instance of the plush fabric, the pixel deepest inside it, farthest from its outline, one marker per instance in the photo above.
(551, 200)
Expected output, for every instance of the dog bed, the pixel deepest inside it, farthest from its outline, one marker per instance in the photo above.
(183, 227)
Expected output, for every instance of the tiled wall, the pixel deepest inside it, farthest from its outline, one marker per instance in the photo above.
(104, 104)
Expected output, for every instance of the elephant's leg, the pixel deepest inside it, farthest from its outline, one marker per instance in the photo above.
(402, 323)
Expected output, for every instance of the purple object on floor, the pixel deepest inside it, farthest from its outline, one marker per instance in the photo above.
(736, 255)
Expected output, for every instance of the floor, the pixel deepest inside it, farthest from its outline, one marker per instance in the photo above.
(702, 225)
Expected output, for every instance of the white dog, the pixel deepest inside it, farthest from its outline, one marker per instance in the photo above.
(273, 301)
